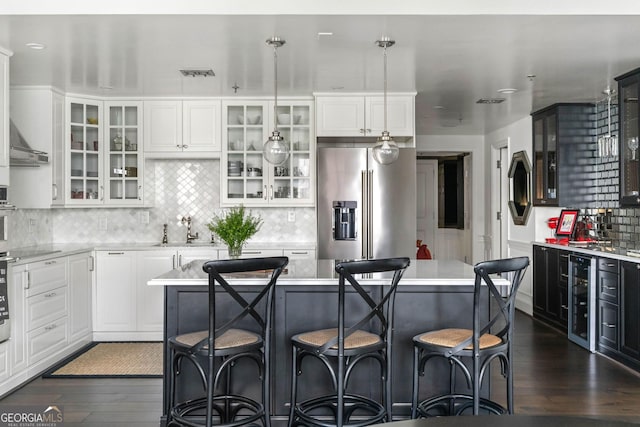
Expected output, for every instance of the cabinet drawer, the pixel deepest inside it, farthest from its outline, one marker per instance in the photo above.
(300, 253)
(46, 307)
(46, 275)
(252, 253)
(608, 264)
(608, 326)
(608, 286)
(46, 340)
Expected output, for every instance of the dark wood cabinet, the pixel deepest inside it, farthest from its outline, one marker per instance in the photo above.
(608, 310)
(630, 310)
(564, 140)
(628, 117)
(550, 294)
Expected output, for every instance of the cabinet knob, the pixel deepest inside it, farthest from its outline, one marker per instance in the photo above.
(185, 146)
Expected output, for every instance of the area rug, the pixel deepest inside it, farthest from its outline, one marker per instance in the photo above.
(112, 359)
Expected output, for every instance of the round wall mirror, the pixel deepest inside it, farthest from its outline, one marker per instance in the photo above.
(520, 183)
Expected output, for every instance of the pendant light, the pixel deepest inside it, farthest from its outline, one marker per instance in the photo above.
(275, 149)
(386, 150)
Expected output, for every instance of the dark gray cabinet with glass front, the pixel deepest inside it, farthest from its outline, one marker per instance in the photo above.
(564, 142)
(629, 90)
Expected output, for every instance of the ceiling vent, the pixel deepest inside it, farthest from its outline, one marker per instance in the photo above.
(198, 73)
(490, 100)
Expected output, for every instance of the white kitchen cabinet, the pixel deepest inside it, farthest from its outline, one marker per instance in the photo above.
(150, 299)
(5, 360)
(124, 162)
(363, 115)
(38, 113)
(246, 177)
(17, 300)
(79, 293)
(84, 171)
(44, 276)
(4, 116)
(46, 309)
(115, 291)
(182, 129)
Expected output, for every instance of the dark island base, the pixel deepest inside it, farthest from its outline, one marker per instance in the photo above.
(301, 308)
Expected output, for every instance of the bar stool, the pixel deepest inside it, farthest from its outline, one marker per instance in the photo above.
(477, 344)
(341, 349)
(214, 352)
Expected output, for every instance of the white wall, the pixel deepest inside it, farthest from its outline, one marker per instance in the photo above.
(520, 237)
(473, 144)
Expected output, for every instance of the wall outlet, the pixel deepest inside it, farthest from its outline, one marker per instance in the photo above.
(291, 216)
(32, 225)
(143, 217)
(103, 224)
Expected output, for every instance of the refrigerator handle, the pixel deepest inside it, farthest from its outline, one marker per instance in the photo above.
(369, 214)
(365, 213)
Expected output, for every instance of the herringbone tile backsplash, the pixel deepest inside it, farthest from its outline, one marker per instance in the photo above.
(174, 188)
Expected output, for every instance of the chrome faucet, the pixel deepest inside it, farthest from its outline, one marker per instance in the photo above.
(190, 237)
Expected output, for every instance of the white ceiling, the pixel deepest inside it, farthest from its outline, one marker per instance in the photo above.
(450, 60)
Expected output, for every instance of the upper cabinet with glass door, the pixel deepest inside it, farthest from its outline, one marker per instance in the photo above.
(292, 181)
(84, 165)
(564, 142)
(247, 178)
(123, 159)
(629, 91)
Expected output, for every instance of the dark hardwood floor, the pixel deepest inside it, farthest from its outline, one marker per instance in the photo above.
(552, 376)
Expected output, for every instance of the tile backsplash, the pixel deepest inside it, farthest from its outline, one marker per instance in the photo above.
(173, 188)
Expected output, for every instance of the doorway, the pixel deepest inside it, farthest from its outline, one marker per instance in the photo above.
(446, 241)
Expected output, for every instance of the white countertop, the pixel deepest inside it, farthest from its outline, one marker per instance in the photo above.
(35, 253)
(322, 272)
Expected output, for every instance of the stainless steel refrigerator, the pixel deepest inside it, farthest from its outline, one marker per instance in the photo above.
(365, 210)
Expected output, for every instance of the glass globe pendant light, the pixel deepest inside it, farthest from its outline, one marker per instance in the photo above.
(275, 150)
(386, 150)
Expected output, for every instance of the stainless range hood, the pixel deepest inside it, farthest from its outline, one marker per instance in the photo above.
(21, 154)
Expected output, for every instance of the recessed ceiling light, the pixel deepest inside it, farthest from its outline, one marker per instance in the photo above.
(438, 107)
(105, 87)
(507, 90)
(337, 87)
(36, 46)
(325, 34)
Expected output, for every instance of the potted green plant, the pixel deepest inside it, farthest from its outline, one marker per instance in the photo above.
(234, 227)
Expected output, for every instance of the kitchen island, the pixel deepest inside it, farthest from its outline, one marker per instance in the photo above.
(432, 294)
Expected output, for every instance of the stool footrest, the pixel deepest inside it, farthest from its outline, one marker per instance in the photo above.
(369, 411)
(455, 404)
(193, 412)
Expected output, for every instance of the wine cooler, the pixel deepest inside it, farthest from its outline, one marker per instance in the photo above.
(582, 301)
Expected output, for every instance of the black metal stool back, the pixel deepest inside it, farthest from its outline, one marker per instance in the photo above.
(479, 343)
(340, 349)
(226, 343)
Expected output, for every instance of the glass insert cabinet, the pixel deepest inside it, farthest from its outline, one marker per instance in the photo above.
(250, 180)
(123, 153)
(105, 158)
(629, 128)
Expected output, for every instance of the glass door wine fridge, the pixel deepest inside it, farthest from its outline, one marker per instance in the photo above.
(582, 301)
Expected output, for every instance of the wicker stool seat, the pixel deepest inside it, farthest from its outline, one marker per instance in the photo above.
(341, 349)
(478, 345)
(215, 351)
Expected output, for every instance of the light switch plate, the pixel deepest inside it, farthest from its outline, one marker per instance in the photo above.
(291, 216)
(103, 224)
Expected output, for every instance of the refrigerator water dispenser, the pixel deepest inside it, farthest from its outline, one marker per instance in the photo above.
(344, 220)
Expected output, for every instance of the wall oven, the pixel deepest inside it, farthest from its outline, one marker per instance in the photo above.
(5, 207)
(582, 301)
